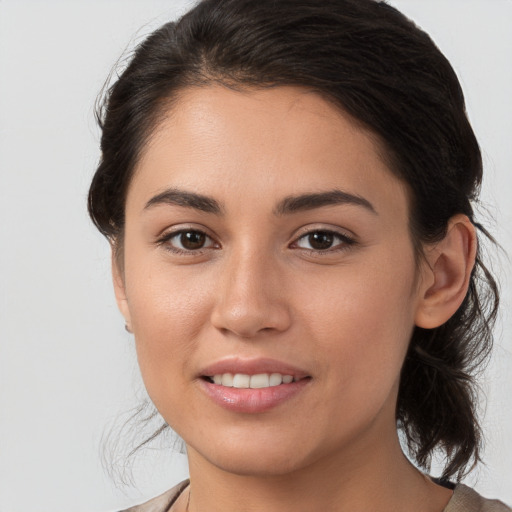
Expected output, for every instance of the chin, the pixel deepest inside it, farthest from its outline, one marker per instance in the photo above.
(259, 464)
(260, 454)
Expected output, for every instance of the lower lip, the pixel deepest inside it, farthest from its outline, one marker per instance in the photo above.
(253, 400)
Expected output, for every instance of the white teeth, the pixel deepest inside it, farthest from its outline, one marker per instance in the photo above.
(259, 381)
(243, 381)
(275, 379)
(227, 380)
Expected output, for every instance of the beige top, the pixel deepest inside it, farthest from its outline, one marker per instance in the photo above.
(464, 499)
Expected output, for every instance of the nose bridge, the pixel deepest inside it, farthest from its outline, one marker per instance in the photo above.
(247, 268)
(251, 296)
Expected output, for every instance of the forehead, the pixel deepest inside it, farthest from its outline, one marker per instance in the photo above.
(263, 142)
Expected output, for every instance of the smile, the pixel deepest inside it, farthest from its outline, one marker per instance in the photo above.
(244, 381)
(253, 385)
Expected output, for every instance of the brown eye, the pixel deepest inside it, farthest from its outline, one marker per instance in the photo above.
(324, 241)
(321, 240)
(191, 240)
(187, 241)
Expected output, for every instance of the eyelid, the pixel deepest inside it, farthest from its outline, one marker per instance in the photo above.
(347, 239)
(167, 235)
(337, 230)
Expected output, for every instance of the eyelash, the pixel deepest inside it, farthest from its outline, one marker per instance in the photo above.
(166, 239)
(344, 240)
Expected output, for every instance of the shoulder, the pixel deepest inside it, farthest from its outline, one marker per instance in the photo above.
(161, 503)
(465, 499)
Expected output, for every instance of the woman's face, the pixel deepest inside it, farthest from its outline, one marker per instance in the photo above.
(266, 236)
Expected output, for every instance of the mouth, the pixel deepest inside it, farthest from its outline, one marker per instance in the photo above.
(246, 381)
(252, 386)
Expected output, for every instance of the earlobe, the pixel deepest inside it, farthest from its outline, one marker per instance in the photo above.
(450, 263)
(120, 290)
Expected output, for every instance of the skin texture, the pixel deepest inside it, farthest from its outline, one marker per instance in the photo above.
(257, 288)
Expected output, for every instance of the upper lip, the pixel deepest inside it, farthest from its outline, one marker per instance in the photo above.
(252, 367)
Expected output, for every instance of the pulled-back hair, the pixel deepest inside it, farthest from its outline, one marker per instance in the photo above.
(373, 63)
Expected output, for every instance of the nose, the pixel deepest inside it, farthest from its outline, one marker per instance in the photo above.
(251, 296)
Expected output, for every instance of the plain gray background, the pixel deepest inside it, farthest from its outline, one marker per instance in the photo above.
(67, 367)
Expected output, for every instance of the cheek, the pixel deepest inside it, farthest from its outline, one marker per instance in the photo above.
(362, 322)
(169, 310)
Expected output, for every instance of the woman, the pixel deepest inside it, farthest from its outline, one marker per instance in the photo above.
(287, 188)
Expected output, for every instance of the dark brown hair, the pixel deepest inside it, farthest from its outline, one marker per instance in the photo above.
(375, 64)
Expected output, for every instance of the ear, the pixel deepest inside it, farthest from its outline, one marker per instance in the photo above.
(446, 274)
(119, 289)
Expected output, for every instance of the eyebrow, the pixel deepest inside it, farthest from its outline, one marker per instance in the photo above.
(304, 202)
(288, 205)
(178, 197)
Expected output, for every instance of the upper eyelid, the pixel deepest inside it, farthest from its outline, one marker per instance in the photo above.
(342, 232)
(169, 232)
